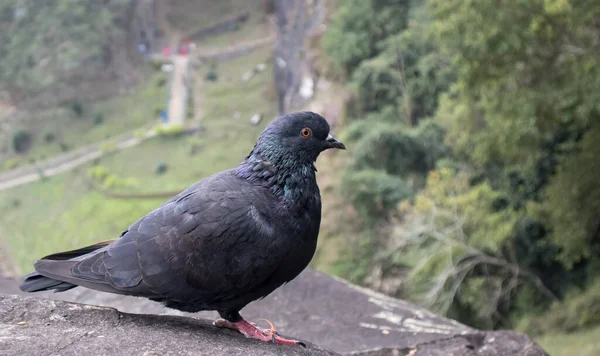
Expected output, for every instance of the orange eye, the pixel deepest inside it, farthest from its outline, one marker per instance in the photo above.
(305, 132)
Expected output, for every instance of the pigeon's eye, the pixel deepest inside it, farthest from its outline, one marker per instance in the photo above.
(305, 132)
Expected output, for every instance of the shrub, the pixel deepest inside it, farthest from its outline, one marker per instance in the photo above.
(211, 75)
(578, 310)
(49, 137)
(161, 82)
(107, 147)
(77, 108)
(98, 173)
(156, 64)
(374, 193)
(141, 133)
(21, 141)
(98, 118)
(169, 131)
(11, 163)
(161, 168)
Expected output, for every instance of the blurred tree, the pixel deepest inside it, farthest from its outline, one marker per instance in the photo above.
(502, 102)
(359, 26)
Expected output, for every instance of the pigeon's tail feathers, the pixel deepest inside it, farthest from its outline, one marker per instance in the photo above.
(53, 271)
(79, 254)
(35, 282)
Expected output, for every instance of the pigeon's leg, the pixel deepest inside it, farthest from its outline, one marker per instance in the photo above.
(250, 330)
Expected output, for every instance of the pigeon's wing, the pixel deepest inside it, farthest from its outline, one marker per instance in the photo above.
(209, 243)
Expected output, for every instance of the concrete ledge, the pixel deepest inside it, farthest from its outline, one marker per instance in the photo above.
(30, 326)
(325, 311)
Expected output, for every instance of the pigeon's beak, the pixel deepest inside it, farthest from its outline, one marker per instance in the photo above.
(333, 143)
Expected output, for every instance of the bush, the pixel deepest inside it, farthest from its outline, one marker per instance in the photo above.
(11, 163)
(49, 137)
(169, 131)
(161, 82)
(578, 310)
(98, 118)
(141, 133)
(211, 75)
(98, 173)
(161, 168)
(374, 193)
(107, 147)
(103, 176)
(64, 147)
(21, 141)
(77, 108)
(156, 64)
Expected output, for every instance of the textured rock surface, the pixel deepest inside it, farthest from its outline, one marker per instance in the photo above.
(31, 326)
(325, 311)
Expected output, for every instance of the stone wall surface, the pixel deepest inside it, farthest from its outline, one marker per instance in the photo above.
(339, 317)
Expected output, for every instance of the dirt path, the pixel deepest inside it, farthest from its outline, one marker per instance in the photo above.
(178, 91)
(67, 161)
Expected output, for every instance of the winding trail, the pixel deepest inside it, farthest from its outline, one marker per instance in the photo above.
(67, 161)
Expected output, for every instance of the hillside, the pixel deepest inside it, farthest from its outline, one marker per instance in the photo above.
(467, 187)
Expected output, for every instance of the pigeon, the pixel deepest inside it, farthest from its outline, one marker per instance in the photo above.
(227, 240)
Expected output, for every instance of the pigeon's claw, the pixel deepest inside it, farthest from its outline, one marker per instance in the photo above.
(253, 332)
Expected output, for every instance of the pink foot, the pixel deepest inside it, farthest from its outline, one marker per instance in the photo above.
(250, 330)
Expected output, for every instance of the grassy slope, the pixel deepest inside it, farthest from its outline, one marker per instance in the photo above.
(62, 213)
(582, 343)
(191, 16)
(120, 114)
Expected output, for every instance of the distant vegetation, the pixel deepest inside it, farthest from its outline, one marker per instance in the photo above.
(46, 42)
(473, 133)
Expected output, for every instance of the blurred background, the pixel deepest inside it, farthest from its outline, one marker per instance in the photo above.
(470, 184)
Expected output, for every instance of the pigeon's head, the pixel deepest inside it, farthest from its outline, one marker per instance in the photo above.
(301, 136)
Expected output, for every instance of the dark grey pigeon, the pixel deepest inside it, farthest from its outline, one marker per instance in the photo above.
(227, 240)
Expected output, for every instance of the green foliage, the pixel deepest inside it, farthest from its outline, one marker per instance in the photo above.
(156, 64)
(77, 108)
(64, 147)
(102, 175)
(98, 118)
(580, 309)
(21, 141)
(140, 133)
(377, 83)
(572, 201)
(49, 137)
(532, 66)
(359, 26)
(582, 343)
(45, 42)
(161, 82)
(211, 75)
(395, 148)
(503, 103)
(108, 147)
(98, 173)
(169, 131)
(11, 163)
(374, 192)
(160, 168)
